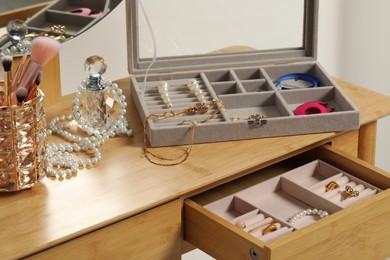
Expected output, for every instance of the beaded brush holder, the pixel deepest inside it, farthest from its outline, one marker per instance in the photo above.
(22, 144)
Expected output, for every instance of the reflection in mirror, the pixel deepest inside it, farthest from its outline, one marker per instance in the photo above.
(62, 20)
(187, 27)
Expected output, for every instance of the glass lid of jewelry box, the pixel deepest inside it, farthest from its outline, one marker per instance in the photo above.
(219, 33)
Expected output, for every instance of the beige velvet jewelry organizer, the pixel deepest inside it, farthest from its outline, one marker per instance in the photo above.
(279, 198)
(244, 82)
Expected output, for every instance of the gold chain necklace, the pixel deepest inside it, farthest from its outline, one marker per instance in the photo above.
(200, 109)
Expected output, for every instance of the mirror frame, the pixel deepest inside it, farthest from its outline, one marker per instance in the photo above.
(308, 52)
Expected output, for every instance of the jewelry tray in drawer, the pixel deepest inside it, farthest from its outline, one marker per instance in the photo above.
(320, 204)
(292, 200)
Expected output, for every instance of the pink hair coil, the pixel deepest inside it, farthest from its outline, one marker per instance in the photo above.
(95, 13)
(315, 107)
(81, 10)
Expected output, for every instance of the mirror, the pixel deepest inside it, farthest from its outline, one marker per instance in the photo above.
(219, 33)
(62, 20)
(190, 27)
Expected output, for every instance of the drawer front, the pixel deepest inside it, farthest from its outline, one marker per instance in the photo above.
(217, 237)
(359, 231)
(154, 234)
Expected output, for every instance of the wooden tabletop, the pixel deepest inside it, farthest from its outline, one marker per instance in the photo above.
(124, 184)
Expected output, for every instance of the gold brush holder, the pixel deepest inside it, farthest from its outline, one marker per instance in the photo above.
(22, 144)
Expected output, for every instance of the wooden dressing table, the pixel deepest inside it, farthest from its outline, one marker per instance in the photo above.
(128, 208)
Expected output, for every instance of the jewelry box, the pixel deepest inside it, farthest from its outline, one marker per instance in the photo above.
(242, 78)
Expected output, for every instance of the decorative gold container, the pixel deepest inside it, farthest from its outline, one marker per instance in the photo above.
(22, 144)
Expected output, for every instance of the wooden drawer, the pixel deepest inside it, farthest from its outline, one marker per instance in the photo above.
(154, 234)
(358, 231)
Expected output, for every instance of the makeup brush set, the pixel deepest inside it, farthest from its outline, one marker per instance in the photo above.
(22, 85)
(23, 119)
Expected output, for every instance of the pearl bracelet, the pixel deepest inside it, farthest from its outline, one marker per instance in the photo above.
(303, 213)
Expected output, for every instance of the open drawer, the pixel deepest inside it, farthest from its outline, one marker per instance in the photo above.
(222, 221)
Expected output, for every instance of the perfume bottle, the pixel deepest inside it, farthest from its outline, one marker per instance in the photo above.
(92, 108)
(99, 103)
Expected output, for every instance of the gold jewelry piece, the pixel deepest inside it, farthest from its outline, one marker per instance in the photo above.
(58, 28)
(201, 109)
(349, 192)
(271, 228)
(256, 116)
(234, 119)
(331, 186)
(56, 32)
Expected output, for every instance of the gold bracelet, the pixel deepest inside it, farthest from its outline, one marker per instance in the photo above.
(201, 109)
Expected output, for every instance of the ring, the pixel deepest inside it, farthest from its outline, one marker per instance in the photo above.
(331, 186)
(271, 228)
(349, 192)
(81, 10)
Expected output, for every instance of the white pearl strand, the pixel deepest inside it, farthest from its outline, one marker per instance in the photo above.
(61, 158)
(301, 214)
(163, 90)
(193, 86)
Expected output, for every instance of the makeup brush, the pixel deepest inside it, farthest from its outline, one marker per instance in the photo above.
(33, 89)
(18, 72)
(43, 49)
(7, 64)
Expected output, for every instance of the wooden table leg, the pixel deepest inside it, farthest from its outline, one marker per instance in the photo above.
(367, 142)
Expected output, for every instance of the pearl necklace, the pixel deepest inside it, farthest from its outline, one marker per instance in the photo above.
(303, 213)
(61, 158)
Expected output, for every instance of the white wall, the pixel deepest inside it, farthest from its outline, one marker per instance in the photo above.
(354, 45)
(107, 39)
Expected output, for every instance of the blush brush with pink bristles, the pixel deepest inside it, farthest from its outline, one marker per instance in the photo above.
(43, 49)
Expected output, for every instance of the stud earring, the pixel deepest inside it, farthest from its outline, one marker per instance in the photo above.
(193, 86)
(163, 90)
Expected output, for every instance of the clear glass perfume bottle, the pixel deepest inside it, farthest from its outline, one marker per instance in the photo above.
(99, 103)
(92, 108)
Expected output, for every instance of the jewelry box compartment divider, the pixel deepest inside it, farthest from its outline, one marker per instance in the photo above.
(245, 93)
(58, 13)
(286, 196)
